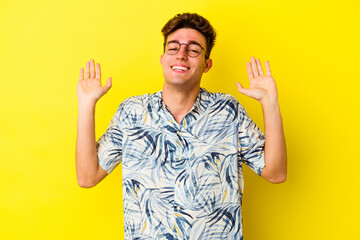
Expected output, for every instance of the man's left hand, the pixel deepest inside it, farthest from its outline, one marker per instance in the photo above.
(262, 87)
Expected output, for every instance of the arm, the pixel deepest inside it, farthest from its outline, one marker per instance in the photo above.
(89, 91)
(263, 89)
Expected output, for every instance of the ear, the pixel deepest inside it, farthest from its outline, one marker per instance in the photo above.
(161, 58)
(208, 65)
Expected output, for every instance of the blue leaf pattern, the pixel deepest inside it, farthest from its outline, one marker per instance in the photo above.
(182, 180)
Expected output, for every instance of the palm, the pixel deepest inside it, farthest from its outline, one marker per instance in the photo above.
(263, 86)
(89, 87)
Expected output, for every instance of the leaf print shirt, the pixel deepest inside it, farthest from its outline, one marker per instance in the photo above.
(182, 181)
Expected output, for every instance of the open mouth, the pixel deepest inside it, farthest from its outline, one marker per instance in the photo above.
(180, 68)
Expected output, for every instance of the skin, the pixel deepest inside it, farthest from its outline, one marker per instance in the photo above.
(180, 91)
(181, 88)
(89, 91)
(263, 89)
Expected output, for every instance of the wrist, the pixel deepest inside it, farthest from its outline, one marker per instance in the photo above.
(269, 103)
(83, 105)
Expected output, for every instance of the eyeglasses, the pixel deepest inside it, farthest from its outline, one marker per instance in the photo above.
(193, 49)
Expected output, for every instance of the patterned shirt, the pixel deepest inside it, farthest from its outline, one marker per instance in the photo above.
(182, 181)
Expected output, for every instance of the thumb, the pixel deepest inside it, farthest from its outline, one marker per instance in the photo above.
(243, 90)
(108, 85)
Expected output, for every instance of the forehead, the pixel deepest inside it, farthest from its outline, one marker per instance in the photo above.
(186, 35)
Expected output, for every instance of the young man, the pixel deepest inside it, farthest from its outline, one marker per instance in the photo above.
(182, 148)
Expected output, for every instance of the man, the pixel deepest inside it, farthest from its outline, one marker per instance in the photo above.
(182, 148)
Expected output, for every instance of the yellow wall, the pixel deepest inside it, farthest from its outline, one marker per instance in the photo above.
(313, 48)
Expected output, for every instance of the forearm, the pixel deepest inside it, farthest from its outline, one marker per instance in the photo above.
(86, 154)
(263, 89)
(275, 148)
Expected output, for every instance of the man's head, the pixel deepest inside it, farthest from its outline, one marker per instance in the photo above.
(188, 42)
(192, 21)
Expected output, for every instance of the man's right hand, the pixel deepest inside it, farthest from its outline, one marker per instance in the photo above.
(89, 89)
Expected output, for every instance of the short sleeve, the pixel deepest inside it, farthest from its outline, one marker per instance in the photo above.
(109, 145)
(252, 142)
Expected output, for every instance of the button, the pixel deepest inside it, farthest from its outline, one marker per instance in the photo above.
(178, 208)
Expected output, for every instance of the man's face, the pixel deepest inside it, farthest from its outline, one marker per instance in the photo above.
(180, 69)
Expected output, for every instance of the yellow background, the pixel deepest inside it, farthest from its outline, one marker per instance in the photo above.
(313, 49)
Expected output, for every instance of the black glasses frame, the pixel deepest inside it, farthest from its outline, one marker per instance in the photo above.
(186, 48)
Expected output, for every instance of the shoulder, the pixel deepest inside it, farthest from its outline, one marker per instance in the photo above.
(224, 103)
(217, 99)
(138, 102)
(133, 102)
(133, 109)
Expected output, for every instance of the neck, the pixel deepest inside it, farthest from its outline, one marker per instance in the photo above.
(179, 101)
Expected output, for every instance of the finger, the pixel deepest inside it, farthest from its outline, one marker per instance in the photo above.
(98, 71)
(267, 67)
(108, 85)
(239, 85)
(259, 67)
(81, 77)
(242, 90)
(92, 68)
(249, 70)
(254, 68)
(87, 70)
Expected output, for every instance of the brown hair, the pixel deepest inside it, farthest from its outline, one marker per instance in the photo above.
(193, 21)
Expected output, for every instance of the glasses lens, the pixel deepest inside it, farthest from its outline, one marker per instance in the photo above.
(172, 48)
(194, 50)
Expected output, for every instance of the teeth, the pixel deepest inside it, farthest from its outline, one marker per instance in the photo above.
(179, 68)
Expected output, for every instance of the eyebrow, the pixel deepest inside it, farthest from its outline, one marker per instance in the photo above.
(190, 42)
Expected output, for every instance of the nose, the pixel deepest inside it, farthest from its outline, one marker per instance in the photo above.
(182, 54)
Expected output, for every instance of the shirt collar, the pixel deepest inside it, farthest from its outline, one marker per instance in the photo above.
(200, 104)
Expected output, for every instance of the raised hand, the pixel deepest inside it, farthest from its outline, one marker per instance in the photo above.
(89, 89)
(262, 87)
